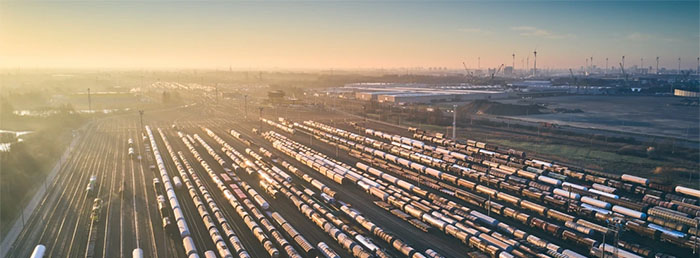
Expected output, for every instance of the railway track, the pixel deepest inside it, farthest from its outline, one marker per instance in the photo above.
(130, 218)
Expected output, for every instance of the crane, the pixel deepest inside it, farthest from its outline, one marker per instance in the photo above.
(498, 70)
(466, 70)
(622, 67)
(573, 77)
(572, 74)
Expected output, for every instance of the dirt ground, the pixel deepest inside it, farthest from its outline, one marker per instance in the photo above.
(663, 116)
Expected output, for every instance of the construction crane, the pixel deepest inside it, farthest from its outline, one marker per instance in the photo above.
(573, 78)
(466, 70)
(622, 67)
(572, 75)
(498, 70)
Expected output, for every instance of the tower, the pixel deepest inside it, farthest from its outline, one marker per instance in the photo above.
(679, 65)
(514, 61)
(657, 65)
(535, 63)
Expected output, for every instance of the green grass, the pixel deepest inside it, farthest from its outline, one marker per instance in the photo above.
(584, 156)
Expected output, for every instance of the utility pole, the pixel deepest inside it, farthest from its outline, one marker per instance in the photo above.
(568, 205)
(695, 243)
(454, 122)
(141, 118)
(260, 118)
(89, 102)
(21, 212)
(245, 106)
(618, 228)
(603, 245)
(337, 150)
(488, 211)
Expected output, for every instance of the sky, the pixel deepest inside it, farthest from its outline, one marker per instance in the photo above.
(345, 34)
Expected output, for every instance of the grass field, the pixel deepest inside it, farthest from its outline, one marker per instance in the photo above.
(577, 153)
(653, 115)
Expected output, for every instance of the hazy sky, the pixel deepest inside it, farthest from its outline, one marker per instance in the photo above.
(252, 35)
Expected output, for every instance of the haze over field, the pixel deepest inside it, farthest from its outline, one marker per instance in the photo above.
(343, 35)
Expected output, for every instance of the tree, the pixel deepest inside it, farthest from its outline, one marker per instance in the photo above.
(6, 110)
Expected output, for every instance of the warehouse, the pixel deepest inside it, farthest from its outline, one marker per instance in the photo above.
(439, 96)
(422, 93)
(370, 96)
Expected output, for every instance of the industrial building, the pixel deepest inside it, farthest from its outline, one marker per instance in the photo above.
(422, 93)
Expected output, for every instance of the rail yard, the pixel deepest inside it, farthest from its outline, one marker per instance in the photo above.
(212, 181)
(366, 129)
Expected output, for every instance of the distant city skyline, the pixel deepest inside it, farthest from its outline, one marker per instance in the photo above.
(346, 35)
